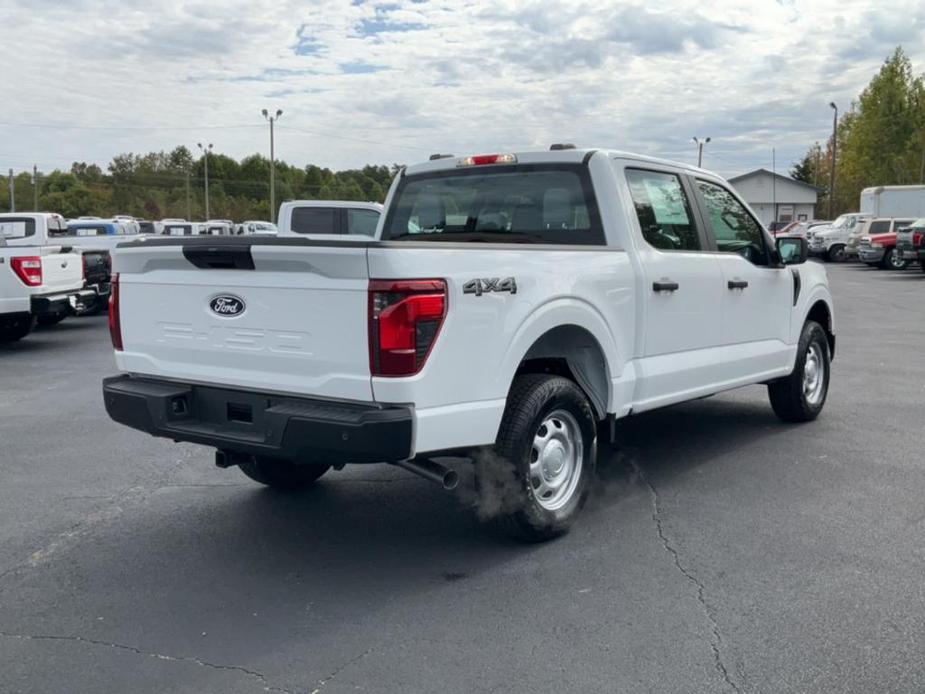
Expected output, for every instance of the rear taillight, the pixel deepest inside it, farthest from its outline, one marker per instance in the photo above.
(404, 319)
(115, 324)
(29, 269)
(917, 238)
(83, 259)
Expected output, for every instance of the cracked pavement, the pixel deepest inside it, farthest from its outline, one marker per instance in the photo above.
(720, 550)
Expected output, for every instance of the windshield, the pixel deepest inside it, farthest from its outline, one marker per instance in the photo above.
(844, 221)
(525, 203)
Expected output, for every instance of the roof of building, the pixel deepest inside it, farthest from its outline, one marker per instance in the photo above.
(780, 177)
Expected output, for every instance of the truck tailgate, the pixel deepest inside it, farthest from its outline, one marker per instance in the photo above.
(289, 318)
(60, 271)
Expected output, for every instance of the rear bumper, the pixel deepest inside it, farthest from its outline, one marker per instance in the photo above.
(62, 302)
(303, 430)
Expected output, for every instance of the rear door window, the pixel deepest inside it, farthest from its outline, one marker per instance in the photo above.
(663, 210)
(362, 222)
(881, 226)
(315, 220)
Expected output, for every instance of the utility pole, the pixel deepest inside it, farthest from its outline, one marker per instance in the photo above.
(816, 167)
(834, 146)
(700, 144)
(205, 154)
(272, 119)
(774, 183)
(12, 193)
(35, 187)
(189, 206)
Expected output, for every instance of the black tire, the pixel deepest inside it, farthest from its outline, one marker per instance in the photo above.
(50, 319)
(888, 262)
(836, 254)
(922, 265)
(282, 474)
(540, 403)
(14, 328)
(788, 396)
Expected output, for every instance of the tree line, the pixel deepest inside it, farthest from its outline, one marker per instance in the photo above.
(880, 140)
(172, 184)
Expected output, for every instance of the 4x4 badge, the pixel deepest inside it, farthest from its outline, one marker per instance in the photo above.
(491, 284)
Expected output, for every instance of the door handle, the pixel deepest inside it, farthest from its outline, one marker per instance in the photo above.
(665, 286)
(737, 284)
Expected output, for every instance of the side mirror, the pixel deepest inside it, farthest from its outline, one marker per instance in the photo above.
(792, 250)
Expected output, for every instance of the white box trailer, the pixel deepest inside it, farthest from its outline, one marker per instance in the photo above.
(894, 201)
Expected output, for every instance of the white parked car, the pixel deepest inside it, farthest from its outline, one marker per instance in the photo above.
(219, 227)
(510, 307)
(180, 227)
(39, 278)
(258, 227)
(831, 241)
(319, 218)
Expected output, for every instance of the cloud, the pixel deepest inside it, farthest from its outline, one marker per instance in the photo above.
(379, 82)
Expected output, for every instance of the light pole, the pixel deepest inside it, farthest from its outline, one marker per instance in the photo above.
(205, 153)
(700, 144)
(834, 146)
(272, 118)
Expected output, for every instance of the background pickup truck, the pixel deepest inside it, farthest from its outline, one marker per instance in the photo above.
(910, 243)
(510, 308)
(319, 218)
(35, 283)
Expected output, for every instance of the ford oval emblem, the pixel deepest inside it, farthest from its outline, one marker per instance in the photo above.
(227, 305)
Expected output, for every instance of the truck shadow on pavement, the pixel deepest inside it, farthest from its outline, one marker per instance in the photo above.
(226, 570)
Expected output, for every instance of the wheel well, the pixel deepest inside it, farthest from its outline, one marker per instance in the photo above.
(571, 352)
(821, 314)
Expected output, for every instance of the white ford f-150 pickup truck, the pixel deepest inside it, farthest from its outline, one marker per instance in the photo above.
(37, 280)
(509, 307)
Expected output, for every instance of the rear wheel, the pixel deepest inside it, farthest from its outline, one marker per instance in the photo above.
(801, 396)
(15, 327)
(836, 253)
(544, 458)
(282, 474)
(891, 261)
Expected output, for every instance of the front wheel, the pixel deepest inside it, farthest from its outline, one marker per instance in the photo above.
(282, 474)
(891, 261)
(800, 396)
(543, 461)
(836, 254)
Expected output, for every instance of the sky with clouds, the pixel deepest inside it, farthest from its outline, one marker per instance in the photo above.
(362, 81)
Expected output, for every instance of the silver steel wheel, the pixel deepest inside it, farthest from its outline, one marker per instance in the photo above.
(556, 459)
(896, 262)
(814, 374)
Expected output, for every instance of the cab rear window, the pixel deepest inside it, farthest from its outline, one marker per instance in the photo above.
(12, 228)
(552, 204)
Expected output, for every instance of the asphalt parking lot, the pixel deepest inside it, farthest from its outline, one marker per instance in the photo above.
(721, 551)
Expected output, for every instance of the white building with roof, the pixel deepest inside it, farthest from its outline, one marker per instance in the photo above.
(778, 198)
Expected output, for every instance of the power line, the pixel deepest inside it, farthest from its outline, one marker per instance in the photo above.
(66, 126)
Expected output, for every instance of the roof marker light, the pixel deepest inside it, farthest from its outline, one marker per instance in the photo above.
(483, 159)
